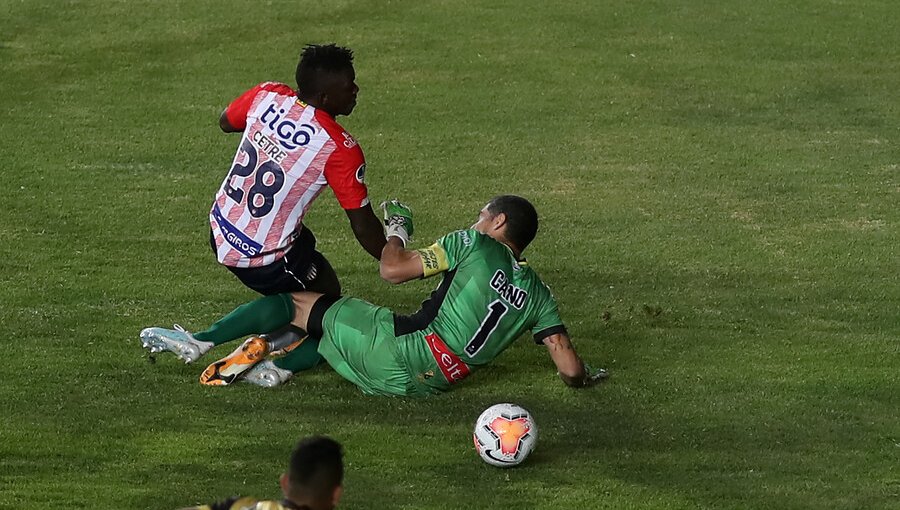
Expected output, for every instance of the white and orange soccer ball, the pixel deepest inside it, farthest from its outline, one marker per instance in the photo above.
(505, 434)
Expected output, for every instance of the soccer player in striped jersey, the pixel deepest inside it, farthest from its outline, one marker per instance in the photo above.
(313, 481)
(291, 148)
(488, 297)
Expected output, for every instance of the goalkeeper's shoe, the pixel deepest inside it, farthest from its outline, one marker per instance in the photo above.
(266, 374)
(177, 341)
(228, 369)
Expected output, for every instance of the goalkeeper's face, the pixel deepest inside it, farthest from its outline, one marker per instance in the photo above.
(482, 221)
(490, 224)
(494, 226)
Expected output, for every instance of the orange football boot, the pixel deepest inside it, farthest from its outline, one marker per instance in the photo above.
(228, 369)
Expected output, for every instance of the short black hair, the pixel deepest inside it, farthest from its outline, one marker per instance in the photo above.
(317, 60)
(521, 218)
(317, 468)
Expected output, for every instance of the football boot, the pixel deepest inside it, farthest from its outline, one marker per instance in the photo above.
(266, 374)
(228, 369)
(177, 341)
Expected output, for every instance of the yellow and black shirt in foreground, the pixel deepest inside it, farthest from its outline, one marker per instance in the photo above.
(249, 504)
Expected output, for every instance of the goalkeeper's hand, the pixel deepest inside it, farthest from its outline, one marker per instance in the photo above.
(398, 220)
(594, 375)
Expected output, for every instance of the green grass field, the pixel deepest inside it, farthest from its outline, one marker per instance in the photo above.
(718, 183)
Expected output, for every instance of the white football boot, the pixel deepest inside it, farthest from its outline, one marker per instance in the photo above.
(266, 374)
(177, 341)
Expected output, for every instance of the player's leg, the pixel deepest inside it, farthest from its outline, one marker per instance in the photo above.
(264, 314)
(305, 356)
(304, 270)
(357, 340)
(273, 372)
(309, 313)
(324, 281)
(226, 370)
(288, 341)
(267, 313)
(300, 268)
(304, 302)
(271, 313)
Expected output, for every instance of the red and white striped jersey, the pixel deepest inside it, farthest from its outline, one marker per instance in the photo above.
(288, 153)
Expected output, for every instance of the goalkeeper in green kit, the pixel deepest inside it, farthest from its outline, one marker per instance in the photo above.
(487, 298)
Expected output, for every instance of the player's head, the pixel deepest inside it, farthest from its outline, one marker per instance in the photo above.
(326, 79)
(510, 219)
(316, 473)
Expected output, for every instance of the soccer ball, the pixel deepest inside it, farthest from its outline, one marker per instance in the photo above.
(505, 434)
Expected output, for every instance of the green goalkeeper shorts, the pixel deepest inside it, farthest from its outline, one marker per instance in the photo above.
(358, 342)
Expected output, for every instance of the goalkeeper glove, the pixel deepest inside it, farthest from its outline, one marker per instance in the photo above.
(397, 220)
(594, 375)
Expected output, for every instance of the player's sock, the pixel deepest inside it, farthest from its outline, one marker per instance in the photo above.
(304, 357)
(265, 314)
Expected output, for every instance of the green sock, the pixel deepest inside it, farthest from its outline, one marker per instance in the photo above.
(265, 314)
(304, 357)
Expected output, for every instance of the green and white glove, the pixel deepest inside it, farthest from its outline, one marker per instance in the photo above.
(594, 375)
(398, 220)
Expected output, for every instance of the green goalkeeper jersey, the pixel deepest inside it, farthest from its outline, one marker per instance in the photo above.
(486, 300)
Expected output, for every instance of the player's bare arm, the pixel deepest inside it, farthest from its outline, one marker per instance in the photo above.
(225, 124)
(368, 230)
(398, 264)
(570, 367)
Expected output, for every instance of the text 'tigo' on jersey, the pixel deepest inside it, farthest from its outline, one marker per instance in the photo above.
(288, 153)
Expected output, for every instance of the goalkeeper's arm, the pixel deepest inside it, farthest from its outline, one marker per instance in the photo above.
(398, 264)
(571, 369)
